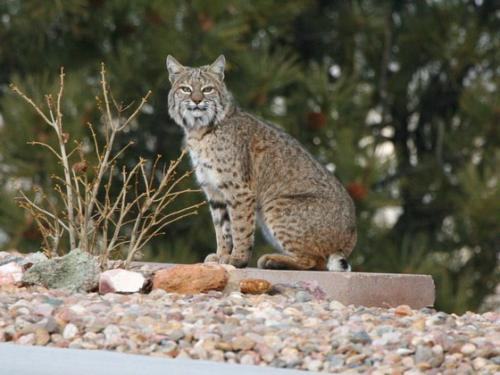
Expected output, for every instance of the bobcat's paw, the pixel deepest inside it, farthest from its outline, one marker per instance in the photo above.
(238, 262)
(212, 258)
(216, 258)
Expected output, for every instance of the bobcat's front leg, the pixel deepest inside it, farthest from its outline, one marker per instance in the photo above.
(242, 214)
(222, 226)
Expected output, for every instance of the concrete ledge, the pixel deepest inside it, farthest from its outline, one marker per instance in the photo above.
(352, 288)
(359, 288)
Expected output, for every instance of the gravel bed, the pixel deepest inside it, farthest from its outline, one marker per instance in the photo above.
(294, 330)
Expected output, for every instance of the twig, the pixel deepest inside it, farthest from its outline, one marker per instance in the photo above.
(43, 211)
(31, 102)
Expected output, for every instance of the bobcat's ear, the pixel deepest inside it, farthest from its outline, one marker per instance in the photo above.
(174, 68)
(218, 66)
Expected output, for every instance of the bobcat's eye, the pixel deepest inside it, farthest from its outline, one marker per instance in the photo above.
(207, 90)
(186, 89)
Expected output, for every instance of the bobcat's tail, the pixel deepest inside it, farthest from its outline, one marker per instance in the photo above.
(338, 263)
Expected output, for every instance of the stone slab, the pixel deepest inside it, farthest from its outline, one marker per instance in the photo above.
(39, 360)
(352, 288)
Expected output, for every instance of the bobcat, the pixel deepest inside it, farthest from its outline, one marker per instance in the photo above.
(253, 172)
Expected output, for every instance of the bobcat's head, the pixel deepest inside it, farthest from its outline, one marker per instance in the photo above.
(198, 96)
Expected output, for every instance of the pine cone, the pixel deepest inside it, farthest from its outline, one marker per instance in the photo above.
(316, 120)
(205, 21)
(80, 167)
(357, 191)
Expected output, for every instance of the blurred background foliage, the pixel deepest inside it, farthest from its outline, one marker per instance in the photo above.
(400, 99)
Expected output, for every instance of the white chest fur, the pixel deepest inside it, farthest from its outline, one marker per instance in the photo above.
(204, 170)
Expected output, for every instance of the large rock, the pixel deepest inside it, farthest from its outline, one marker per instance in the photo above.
(191, 279)
(31, 259)
(10, 273)
(77, 271)
(120, 281)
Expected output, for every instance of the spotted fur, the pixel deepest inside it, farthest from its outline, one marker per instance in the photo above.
(253, 172)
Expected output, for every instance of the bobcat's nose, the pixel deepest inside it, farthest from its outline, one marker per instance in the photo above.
(196, 97)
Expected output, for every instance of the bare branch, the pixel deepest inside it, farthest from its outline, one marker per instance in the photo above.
(94, 139)
(136, 112)
(33, 143)
(32, 103)
(105, 94)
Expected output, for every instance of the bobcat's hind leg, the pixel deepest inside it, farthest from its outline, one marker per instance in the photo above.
(290, 262)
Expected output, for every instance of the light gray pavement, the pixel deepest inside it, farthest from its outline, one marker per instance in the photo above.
(39, 360)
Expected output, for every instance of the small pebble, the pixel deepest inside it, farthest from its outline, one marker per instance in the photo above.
(43, 309)
(408, 362)
(303, 296)
(314, 365)
(70, 331)
(335, 361)
(404, 351)
(28, 339)
(290, 356)
(336, 305)
(403, 310)
(468, 349)
(112, 335)
(242, 343)
(176, 334)
(247, 359)
(479, 363)
(42, 336)
(496, 360)
(361, 337)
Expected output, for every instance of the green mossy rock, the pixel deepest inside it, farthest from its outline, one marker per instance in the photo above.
(77, 271)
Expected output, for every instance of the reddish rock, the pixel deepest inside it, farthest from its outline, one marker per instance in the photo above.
(10, 273)
(255, 286)
(190, 279)
(120, 281)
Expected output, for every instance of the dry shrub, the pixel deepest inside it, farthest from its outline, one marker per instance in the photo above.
(95, 217)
